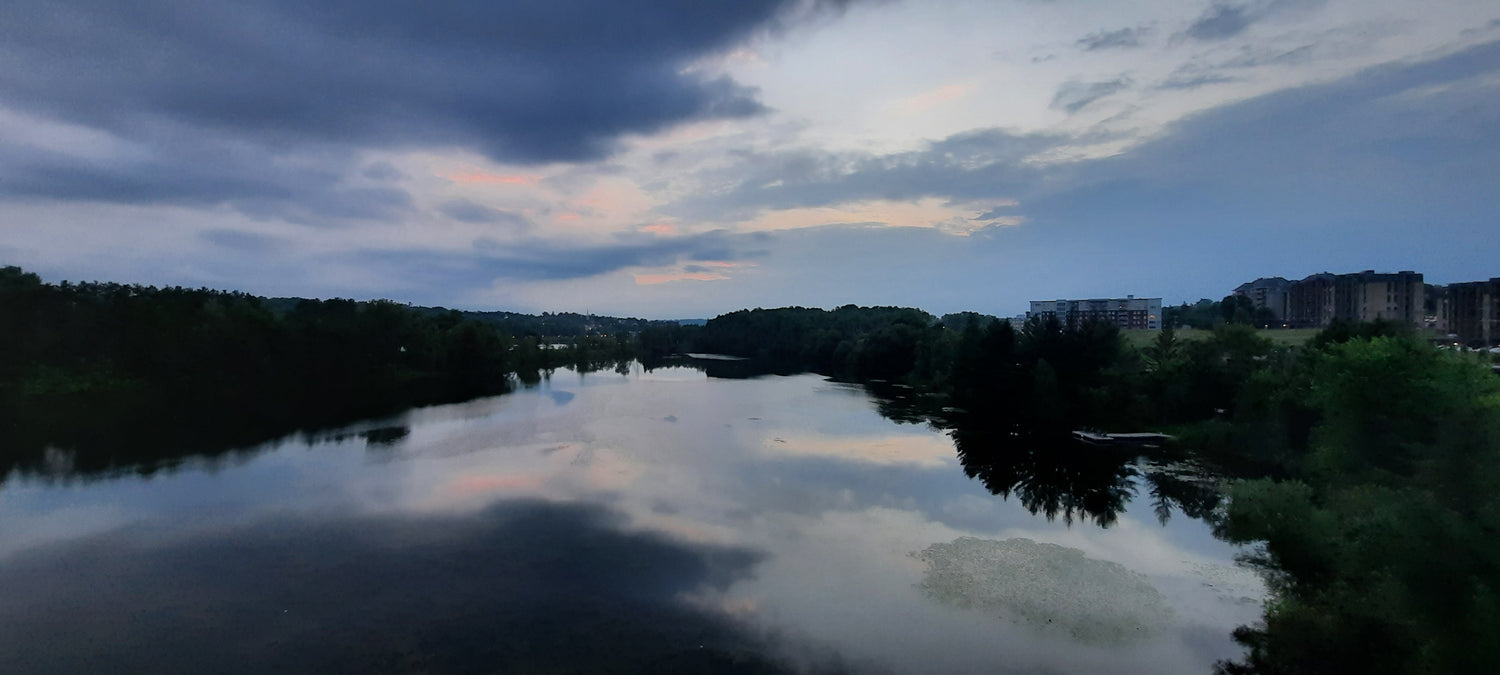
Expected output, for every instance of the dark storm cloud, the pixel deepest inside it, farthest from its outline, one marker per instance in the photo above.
(1075, 96)
(200, 172)
(527, 82)
(196, 89)
(467, 211)
(1113, 39)
(1223, 20)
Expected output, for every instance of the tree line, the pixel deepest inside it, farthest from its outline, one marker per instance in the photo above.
(124, 373)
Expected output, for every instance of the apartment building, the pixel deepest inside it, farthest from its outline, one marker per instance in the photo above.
(1436, 306)
(1267, 293)
(1128, 312)
(1362, 296)
(1474, 311)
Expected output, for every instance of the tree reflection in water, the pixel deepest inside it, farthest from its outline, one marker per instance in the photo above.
(1056, 476)
(1048, 472)
(1195, 494)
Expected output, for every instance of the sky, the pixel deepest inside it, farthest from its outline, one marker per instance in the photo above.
(681, 159)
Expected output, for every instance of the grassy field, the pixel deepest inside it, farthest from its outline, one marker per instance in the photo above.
(1281, 336)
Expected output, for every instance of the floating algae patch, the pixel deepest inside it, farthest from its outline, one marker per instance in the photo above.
(1048, 586)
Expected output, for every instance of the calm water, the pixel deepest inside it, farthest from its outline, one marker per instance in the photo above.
(655, 521)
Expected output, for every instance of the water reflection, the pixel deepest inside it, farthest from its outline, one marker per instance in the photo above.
(113, 438)
(1193, 490)
(518, 587)
(1054, 475)
(598, 513)
(1049, 473)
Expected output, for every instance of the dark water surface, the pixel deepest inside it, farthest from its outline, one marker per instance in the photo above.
(657, 521)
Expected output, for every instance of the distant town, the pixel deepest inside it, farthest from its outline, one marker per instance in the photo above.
(1467, 313)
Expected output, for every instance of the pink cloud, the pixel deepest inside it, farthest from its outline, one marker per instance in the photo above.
(652, 279)
(567, 216)
(659, 228)
(936, 97)
(479, 177)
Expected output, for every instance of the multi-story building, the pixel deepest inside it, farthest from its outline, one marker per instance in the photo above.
(1393, 297)
(1436, 306)
(1126, 312)
(1474, 311)
(1268, 293)
(1363, 296)
(1310, 301)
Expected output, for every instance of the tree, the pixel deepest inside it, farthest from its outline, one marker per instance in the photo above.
(1235, 308)
(1381, 553)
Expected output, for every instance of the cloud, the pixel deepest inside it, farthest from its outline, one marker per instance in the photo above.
(1223, 20)
(382, 171)
(1342, 168)
(1113, 39)
(1336, 157)
(1193, 77)
(1005, 210)
(1075, 96)
(483, 177)
(936, 97)
(1218, 22)
(653, 279)
(533, 82)
(982, 164)
(467, 211)
(1285, 52)
(243, 241)
(267, 106)
(1347, 167)
(304, 186)
(490, 261)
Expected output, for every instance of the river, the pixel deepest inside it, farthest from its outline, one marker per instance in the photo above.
(645, 521)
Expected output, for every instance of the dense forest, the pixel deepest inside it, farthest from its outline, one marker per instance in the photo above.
(1380, 544)
(160, 371)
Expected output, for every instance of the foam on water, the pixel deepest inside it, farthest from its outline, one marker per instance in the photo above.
(1050, 587)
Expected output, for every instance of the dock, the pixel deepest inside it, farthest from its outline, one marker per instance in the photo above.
(1123, 440)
